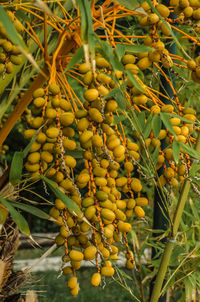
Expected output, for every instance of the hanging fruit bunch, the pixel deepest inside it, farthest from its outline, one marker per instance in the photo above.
(106, 197)
(107, 182)
(9, 52)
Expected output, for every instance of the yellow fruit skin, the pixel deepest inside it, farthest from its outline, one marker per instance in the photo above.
(63, 231)
(107, 271)
(175, 121)
(88, 201)
(128, 166)
(52, 132)
(91, 94)
(144, 63)
(163, 10)
(83, 178)
(54, 89)
(32, 168)
(39, 102)
(76, 255)
(59, 240)
(83, 68)
(95, 115)
(100, 181)
(65, 105)
(90, 252)
(127, 59)
(67, 118)
(131, 203)
(87, 79)
(121, 204)
(67, 270)
(34, 157)
(121, 181)
(139, 212)
(167, 108)
(120, 215)
(75, 290)
(107, 214)
(124, 227)
(102, 63)
(136, 185)
(130, 264)
(59, 204)
(118, 151)
(69, 144)
(96, 279)
(38, 93)
(47, 156)
(28, 134)
(85, 136)
(169, 173)
(141, 201)
(133, 68)
(83, 124)
(90, 212)
(101, 196)
(76, 264)
(72, 282)
(190, 117)
(70, 161)
(140, 99)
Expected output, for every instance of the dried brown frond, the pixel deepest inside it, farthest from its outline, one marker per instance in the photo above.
(10, 281)
(31, 296)
(9, 241)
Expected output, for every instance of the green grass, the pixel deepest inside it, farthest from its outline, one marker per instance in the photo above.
(52, 289)
(37, 253)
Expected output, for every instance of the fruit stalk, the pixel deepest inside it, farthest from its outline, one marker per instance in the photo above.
(161, 216)
(21, 106)
(170, 244)
(41, 79)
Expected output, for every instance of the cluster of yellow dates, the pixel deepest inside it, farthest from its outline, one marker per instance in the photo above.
(187, 13)
(9, 53)
(104, 183)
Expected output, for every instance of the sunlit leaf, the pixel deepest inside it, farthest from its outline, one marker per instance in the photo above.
(30, 209)
(190, 151)
(155, 155)
(17, 161)
(76, 58)
(157, 124)
(117, 94)
(134, 80)
(181, 118)
(17, 217)
(107, 52)
(130, 4)
(16, 167)
(121, 49)
(148, 126)
(10, 28)
(194, 170)
(71, 205)
(176, 151)
(118, 119)
(141, 118)
(167, 122)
